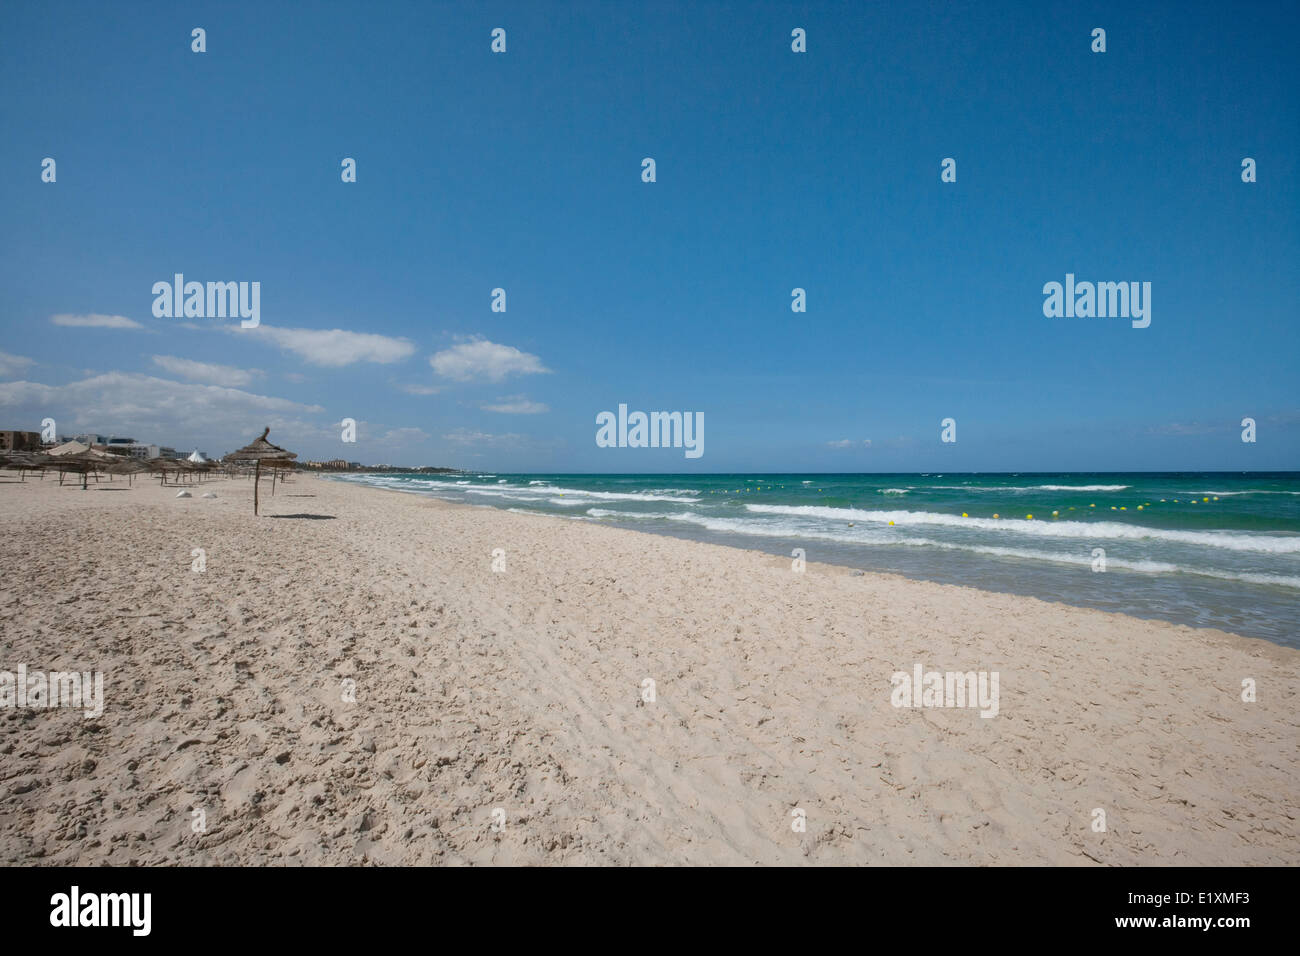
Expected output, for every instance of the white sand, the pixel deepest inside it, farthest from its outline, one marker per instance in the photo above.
(522, 691)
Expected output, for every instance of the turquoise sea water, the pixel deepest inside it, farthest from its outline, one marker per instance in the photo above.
(1207, 549)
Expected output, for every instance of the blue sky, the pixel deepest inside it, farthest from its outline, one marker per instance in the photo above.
(775, 170)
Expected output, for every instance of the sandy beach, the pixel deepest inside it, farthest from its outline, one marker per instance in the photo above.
(228, 691)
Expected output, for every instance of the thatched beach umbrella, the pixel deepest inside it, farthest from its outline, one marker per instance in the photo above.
(259, 451)
(21, 462)
(68, 448)
(162, 466)
(84, 462)
(127, 466)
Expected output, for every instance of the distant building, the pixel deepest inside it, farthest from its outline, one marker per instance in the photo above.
(118, 445)
(20, 441)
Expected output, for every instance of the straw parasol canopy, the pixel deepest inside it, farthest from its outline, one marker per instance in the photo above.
(258, 451)
(21, 462)
(83, 462)
(68, 448)
(162, 466)
(127, 466)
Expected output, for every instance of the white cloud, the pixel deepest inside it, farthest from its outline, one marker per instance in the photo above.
(516, 405)
(481, 360)
(160, 410)
(13, 364)
(463, 436)
(404, 436)
(94, 320)
(848, 443)
(420, 389)
(376, 435)
(332, 348)
(205, 371)
(1186, 428)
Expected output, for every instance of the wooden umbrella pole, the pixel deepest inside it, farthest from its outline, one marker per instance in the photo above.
(257, 474)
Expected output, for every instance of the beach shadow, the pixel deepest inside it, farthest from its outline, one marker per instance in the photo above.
(300, 496)
(312, 517)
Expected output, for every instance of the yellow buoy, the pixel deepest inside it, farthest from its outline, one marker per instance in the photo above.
(965, 515)
(891, 522)
(1205, 499)
(1092, 506)
(1029, 517)
(995, 516)
(1216, 497)
(1056, 514)
(1139, 507)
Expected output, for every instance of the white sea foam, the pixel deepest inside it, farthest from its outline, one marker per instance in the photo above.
(1094, 531)
(1147, 567)
(1252, 491)
(546, 490)
(526, 511)
(1031, 487)
(767, 528)
(637, 515)
(780, 529)
(510, 495)
(1082, 487)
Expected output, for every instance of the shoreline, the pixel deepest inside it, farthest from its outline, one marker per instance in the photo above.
(522, 690)
(722, 540)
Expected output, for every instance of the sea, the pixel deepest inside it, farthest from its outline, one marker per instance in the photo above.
(1208, 549)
